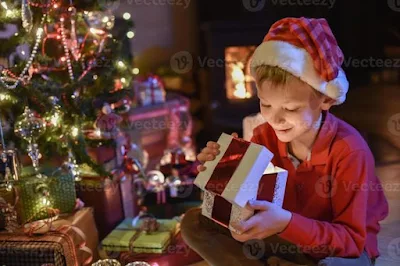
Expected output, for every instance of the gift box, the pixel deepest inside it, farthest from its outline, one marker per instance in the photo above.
(149, 90)
(106, 198)
(236, 171)
(27, 196)
(72, 241)
(271, 187)
(127, 237)
(178, 253)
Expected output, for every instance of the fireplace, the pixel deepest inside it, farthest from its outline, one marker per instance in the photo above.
(231, 93)
(239, 84)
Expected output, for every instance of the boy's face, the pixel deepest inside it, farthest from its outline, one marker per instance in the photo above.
(291, 110)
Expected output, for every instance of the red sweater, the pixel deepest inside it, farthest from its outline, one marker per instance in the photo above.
(336, 199)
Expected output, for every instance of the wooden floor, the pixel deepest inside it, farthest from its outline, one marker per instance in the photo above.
(389, 237)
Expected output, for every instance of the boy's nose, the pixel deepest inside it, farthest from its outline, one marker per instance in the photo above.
(277, 118)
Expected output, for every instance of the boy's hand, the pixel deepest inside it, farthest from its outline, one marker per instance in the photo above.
(209, 153)
(271, 220)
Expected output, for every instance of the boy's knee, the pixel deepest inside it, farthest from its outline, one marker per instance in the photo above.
(190, 225)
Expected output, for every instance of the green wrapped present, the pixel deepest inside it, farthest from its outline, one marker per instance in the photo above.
(129, 238)
(38, 195)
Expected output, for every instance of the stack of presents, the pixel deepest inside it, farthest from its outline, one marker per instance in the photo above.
(98, 221)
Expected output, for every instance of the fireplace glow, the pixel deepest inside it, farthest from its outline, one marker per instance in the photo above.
(239, 83)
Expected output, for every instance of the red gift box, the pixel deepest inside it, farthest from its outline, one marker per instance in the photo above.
(110, 199)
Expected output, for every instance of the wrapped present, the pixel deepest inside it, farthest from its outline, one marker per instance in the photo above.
(236, 171)
(178, 253)
(270, 188)
(71, 240)
(149, 90)
(28, 194)
(138, 238)
(112, 200)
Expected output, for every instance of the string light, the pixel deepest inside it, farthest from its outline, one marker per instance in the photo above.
(66, 50)
(135, 71)
(106, 19)
(130, 34)
(4, 5)
(121, 64)
(39, 35)
(123, 80)
(95, 77)
(75, 132)
(126, 16)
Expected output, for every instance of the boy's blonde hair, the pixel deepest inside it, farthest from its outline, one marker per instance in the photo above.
(277, 76)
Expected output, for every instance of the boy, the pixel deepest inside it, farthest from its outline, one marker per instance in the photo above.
(331, 211)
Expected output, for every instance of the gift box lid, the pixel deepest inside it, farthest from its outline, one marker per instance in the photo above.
(236, 171)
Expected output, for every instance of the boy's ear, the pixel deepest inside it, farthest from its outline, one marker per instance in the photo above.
(327, 103)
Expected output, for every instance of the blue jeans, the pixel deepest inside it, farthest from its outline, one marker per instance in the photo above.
(215, 244)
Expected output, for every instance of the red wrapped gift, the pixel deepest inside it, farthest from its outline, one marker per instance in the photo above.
(71, 240)
(271, 187)
(112, 200)
(177, 253)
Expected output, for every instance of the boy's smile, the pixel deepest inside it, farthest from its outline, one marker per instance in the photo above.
(292, 109)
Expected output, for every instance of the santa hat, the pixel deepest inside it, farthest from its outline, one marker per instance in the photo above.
(307, 49)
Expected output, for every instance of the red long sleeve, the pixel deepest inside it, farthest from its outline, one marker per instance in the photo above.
(345, 235)
(336, 199)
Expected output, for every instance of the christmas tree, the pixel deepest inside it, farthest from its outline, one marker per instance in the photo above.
(63, 63)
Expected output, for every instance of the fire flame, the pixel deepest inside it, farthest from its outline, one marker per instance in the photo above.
(239, 79)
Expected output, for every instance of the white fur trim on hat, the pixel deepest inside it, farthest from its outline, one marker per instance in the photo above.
(298, 62)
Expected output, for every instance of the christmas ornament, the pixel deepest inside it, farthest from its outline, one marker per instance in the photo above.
(10, 166)
(108, 122)
(29, 127)
(26, 15)
(107, 262)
